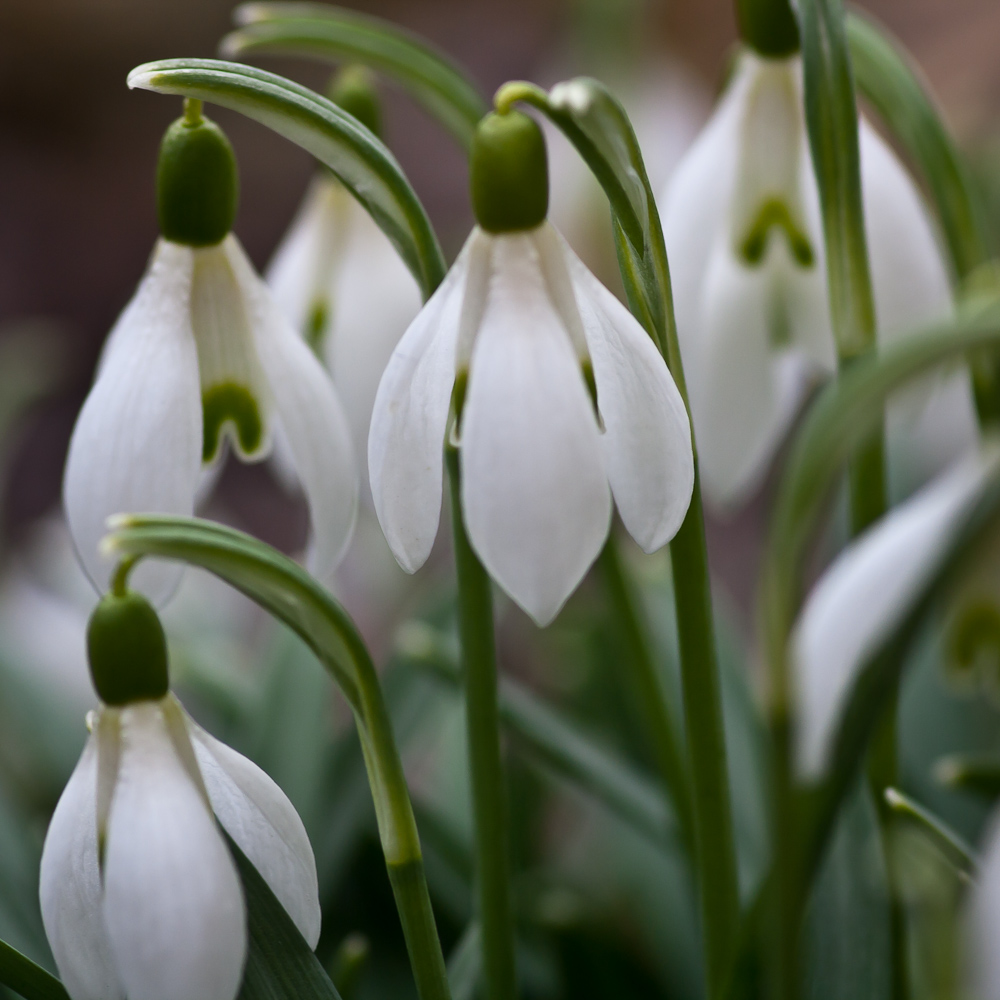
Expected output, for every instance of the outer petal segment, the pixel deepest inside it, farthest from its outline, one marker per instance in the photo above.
(647, 435)
(535, 494)
(173, 904)
(409, 418)
(863, 596)
(311, 417)
(70, 889)
(136, 446)
(256, 813)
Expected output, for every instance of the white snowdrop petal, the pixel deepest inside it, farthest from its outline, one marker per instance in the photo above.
(647, 435)
(409, 418)
(299, 272)
(535, 494)
(743, 391)
(696, 203)
(256, 813)
(862, 597)
(374, 299)
(136, 447)
(311, 417)
(70, 889)
(173, 904)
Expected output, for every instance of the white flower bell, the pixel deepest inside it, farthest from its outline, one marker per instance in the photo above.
(139, 893)
(864, 595)
(340, 281)
(201, 356)
(742, 226)
(526, 337)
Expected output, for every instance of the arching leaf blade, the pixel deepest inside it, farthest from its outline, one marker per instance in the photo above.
(327, 32)
(361, 162)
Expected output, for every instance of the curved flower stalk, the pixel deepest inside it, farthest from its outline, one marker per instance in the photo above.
(340, 281)
(742, 226)
(863, 597)
(202, 359)
(139, 893)
(562, 401)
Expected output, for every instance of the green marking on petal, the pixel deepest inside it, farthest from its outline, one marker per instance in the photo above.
(232, 404)
(587, 368)
(774, 213)
(316, 325)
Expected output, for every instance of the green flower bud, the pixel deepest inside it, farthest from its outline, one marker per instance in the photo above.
(769, 27)
(127, 650)
(197, 183)
(353, 89)
(508, 173)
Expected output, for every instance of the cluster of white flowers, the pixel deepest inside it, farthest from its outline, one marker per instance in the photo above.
(561, 409)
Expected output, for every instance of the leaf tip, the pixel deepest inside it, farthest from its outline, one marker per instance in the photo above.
(141, 78)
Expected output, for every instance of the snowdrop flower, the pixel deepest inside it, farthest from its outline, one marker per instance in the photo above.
(865, 594)
(140, 896)
(742, 225)
(340, 281)
(202, 357)
(561, 398)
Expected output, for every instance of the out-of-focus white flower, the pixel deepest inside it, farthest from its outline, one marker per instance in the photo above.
(202, 355)
(342, 284)
(743, 230)
(864, 595)
(983, 919)
(525, 321)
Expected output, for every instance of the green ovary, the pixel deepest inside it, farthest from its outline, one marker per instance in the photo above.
(774, 213)
(228, 403)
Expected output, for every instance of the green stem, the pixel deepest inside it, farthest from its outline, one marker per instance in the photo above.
(398, 833)
(489, 796)
(650, 695)
(715, 850)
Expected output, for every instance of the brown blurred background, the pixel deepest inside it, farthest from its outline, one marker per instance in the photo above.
(78, 150)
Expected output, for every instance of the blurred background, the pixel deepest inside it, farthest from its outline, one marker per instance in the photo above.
(78, 152)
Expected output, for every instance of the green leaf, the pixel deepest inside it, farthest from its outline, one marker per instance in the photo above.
(322, 31)
(888, 80)
(280, 964)
(361, 162)
(553, 743)
(465, 964)
(832, 120)
(22, 976)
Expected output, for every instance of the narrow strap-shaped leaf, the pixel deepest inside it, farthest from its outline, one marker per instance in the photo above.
(554, 743)
(323, 31)
(31, 981)
(952, 843)
(361, 162)
(280, 964)
(832, 120)
(886, 77)
(840, 417)
(465, 964)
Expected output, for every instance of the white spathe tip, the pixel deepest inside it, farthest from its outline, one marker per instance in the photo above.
(141, 78)
(573, 95)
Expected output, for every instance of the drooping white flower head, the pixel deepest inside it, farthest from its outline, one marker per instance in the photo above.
(340, 281)
(525, 323)
(864, 595)
(199, 358)
(742, 225)
(139, 893)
